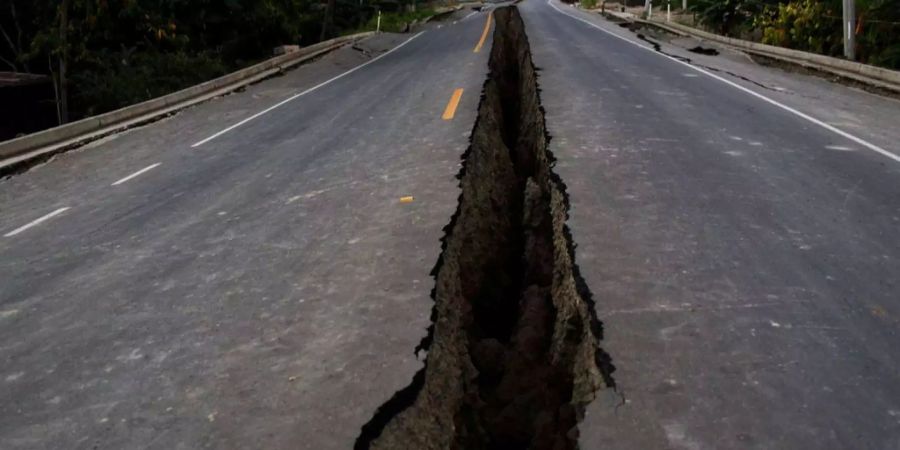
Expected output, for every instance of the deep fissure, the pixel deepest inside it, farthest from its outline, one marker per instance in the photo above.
(513, 351)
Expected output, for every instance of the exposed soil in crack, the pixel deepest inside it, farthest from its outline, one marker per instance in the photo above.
(703, 50)
(513, 355)
(655, 44)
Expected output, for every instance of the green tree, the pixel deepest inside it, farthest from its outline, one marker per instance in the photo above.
(804, 25)
(816, 26)
(105, 54)
(878, 32)
(726, 16)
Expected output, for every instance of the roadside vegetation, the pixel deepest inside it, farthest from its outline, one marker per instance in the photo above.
(395, 22)
(106, 54)
(809, 25)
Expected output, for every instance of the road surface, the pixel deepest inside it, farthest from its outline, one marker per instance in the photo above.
(266, 288)
(263, 290)
(744, 259)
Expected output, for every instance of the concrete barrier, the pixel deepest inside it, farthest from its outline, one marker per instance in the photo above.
(872, 75)
(19, 150)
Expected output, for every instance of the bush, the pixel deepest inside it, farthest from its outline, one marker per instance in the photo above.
(815, 26)
(395, 22)
(726, 17)
(802, 25)
(99, 86)
(878, 33)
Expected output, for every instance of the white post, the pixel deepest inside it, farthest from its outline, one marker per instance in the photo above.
(650, 11)
(668, 12)
(684, 5)
(378, 23)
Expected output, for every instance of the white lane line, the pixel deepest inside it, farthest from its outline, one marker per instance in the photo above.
(36, 222)
(469, 15)
(793, 111)
(145, 169)
(295, 96)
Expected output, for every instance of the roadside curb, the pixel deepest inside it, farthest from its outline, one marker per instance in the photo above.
(47, 142)
(875, 76)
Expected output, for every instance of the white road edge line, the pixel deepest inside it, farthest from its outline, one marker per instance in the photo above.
(793, 111)
(36, 222)
(295, 96)
(145, 169)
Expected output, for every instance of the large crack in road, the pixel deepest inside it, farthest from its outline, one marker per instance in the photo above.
(513, 355)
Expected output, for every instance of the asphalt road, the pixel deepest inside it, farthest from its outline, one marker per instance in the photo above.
(265, 289)
(744, 259)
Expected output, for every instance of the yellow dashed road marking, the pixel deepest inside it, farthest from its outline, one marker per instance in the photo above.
(484, 34)
(450, 110)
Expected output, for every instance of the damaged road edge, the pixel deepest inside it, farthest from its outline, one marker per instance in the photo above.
(513, 351)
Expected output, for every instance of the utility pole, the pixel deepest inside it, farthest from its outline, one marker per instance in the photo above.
(849, 28)
(63, 62)
(328, 21)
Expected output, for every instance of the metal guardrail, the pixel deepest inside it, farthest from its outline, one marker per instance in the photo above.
(21, 149)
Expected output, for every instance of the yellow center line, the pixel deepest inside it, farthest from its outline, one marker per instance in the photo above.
(450, 110)
(484, 34)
